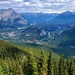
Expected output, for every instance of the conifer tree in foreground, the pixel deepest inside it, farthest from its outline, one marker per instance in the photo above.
(72, 68)
(5, 68)
(61, 65)
(56, 71)
(67, 65)
(38, 66)
(30, 66)
(43, 64)
(50, 65)
(66, 70)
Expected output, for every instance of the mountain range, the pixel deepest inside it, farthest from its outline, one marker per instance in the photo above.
(65, 18)
(10, 17)
(51, 30)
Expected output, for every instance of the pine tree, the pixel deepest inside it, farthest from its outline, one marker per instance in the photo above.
(74, 66)
(35, 68)
(25, 67)
(56, 71)
(71, 68)
(50, 65)
(10, 66)
(61, 65)
(20, 67)
(15, 67)
(30, 66)
(66, 69)
(5, 68)
(43, 64)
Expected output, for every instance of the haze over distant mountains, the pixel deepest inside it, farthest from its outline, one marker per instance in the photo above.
(10, 17)
(50, 19)
(64, 18)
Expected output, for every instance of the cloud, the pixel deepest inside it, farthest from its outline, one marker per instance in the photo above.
(39, 5)
(18, 0)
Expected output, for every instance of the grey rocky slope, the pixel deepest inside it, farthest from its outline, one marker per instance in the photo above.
(10, 17)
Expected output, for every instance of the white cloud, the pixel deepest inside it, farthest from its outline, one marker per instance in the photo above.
(26, 3)
(4, 2)
(18, 0)
(39, 5)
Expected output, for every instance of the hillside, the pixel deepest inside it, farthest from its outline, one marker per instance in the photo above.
(65, 41)
(12, 56)
(8, 50)
(69, 34)
(31, 65)
(36, 49)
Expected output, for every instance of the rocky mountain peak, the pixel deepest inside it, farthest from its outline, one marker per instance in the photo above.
(12, 17)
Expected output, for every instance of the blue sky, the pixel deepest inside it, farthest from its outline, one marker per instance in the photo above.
(49, 6)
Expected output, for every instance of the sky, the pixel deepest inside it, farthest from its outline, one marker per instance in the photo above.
(47, 6)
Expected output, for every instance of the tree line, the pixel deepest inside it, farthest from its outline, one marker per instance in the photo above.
(45, 65)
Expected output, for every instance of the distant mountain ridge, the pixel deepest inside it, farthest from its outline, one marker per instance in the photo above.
(69, 33)
(41, 19)
(65, 18)
(10, 17)
(66, 37)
